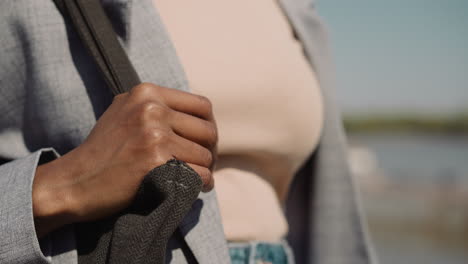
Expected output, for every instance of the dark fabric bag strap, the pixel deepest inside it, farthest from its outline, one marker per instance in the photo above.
(97, 34)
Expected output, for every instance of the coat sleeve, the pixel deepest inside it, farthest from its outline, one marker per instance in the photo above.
(19, 242)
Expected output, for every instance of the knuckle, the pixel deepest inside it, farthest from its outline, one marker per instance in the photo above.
(205, 175)
(159, 160)
(206, 157)
(143, 89)
(205, 103)
(212, 132)
(148, 90)
(147, 107)
(161, 110)
(120, 96)
(209, 185)
(151, 109)
(207, 180)
(154, 136)
(143, 112)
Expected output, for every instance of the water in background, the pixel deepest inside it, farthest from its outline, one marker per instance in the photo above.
(398, 57)
(419, 157)
(415, 194)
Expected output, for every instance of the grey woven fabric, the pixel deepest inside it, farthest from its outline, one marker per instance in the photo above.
(18, 243)
(51, 95)
(335, 230)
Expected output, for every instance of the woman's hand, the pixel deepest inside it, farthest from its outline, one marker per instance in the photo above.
(142, 129)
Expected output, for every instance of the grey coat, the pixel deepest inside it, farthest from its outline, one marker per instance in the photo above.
(51, 95)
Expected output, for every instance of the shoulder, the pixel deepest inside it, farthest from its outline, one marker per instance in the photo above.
(20, 20)
(27, 28)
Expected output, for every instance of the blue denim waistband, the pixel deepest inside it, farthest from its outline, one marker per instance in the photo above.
(260, 253)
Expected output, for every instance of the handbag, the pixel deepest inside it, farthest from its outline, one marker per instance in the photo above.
(140, 233)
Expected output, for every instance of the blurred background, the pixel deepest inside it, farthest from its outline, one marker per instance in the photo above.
(403, 89)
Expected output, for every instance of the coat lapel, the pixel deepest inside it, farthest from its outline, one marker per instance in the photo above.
(335, 230)
(203, 231)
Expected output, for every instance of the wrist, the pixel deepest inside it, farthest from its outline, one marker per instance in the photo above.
(51, 197)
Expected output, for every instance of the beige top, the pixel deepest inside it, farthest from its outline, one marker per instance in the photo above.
(242, 55)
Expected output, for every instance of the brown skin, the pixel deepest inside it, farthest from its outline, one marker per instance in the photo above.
(142, 129)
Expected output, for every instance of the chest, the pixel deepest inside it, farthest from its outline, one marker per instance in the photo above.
(243, 56)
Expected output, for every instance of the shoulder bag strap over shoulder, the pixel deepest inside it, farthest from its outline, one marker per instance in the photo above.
(97, 34)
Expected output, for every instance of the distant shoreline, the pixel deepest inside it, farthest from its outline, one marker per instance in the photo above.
(455, 124)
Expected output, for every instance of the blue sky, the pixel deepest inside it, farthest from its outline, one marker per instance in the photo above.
(399, 55)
